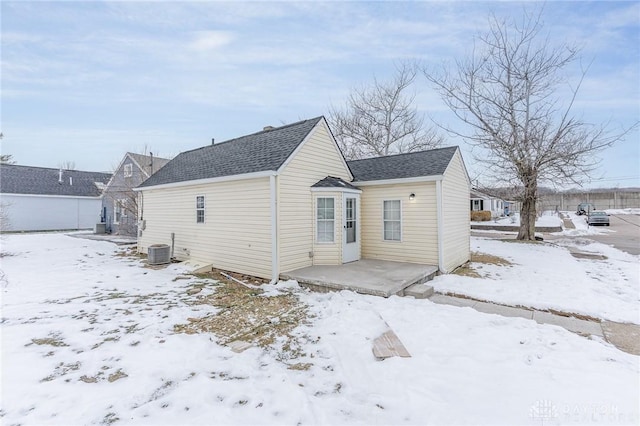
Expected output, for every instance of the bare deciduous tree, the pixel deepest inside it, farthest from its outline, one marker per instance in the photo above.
(67, 165)
(381, 119)
(508, 92)
(6, 159)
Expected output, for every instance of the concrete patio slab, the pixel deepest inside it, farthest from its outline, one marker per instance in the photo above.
(366, 276)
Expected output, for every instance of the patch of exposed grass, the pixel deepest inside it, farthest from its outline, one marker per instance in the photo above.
(117, 376)
(52, 340)
(61, 370)
(468, 269)
(244, 314)
(477, 257)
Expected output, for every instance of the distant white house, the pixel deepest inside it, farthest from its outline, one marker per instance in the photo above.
(485, 202)
(43, 199)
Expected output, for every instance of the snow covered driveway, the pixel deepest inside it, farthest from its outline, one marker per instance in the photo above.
(88, 338)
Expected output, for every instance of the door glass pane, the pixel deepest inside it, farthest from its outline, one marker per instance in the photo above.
(350, 220)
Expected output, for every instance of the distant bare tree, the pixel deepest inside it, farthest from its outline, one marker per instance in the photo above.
(7, 159)
(381, 119)
(507, 91)
(67, 165)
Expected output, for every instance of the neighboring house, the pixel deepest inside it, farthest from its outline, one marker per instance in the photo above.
(42, 199)
(285, 198)
(120, 202)
(484, 202)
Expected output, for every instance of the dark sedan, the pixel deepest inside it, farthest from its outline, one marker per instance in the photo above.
(598, 218)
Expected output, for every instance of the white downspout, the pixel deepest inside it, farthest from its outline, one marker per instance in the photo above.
(275, 273)
(439, 217)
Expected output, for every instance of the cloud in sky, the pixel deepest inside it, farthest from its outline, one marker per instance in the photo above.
(188, 71)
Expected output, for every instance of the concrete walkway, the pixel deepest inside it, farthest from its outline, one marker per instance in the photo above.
(625, 337)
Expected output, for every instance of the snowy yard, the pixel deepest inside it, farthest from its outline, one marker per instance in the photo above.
(547, 219)
(547, 276)
(89, 337)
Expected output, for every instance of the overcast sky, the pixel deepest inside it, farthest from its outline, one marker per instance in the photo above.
(88, 81)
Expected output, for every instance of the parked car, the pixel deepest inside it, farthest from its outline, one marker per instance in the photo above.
(585, 208)
(598, 218)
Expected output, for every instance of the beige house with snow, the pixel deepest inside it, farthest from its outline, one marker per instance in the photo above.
(285, 198)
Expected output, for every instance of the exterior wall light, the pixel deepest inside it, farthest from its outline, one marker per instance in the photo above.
(412, 196)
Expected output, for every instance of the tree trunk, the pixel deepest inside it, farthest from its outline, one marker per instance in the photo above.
(528, 212)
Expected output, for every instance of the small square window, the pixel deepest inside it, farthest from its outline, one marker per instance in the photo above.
(128, 170)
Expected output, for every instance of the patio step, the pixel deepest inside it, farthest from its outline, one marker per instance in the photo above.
(418, 291)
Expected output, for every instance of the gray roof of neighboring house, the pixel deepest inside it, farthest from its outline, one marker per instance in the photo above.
(474, 193)
(401, 166)
(145, 162)
(258, 152)
(16, 179)
(333, 182)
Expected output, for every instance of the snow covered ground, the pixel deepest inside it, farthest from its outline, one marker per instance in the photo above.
(545, 276)
(87, 338)
(582, 228)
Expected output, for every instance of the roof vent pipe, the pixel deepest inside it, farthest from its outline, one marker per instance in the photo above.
(213, 140)
(70, 181)
(60, 175)
(267, 128)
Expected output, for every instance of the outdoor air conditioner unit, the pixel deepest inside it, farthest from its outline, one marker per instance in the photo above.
(159, 254)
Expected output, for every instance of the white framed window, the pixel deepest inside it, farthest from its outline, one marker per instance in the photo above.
(200, 209)
(128, 170)
(119, 210)
(325, 220)
(476, 205)
(392, 220)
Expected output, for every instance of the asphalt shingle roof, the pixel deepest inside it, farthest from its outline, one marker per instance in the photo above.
(333, 182)
(401, 166)
(262, 151)
(16, 179)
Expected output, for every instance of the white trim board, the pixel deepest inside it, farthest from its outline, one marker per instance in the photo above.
(255, 175)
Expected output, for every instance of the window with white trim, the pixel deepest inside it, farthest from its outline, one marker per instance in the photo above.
(392, 220)
(200, 209)
(325, 220)
(128, 170)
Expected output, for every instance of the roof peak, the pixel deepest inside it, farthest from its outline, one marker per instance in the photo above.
(271, 130)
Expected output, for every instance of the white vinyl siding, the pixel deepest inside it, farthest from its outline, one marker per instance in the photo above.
(200, 209)
(392, 220)
(317, 159)
(455, 215)
(419, 223)
(236, 235)
(24, 212)
(325, 220)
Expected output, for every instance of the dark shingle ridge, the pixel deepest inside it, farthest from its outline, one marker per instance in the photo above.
(19, 179)
(261, 151)
(432, 162)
